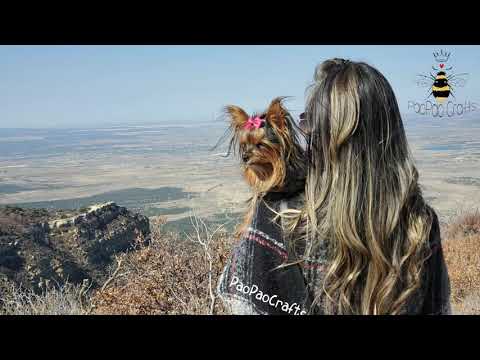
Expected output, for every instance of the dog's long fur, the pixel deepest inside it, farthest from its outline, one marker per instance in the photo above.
(272, 156)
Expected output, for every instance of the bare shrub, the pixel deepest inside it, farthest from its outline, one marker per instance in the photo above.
(169, 275)
(465, 224)
(469, 306)
(462, 255)
(67, 299)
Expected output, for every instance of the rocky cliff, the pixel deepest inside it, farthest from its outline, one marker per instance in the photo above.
(40, 247)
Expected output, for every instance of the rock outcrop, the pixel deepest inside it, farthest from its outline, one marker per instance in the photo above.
(39, 247)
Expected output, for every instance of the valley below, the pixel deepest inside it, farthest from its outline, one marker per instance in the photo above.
(175, 171)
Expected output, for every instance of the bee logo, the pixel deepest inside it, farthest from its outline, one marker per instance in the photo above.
(441, 85)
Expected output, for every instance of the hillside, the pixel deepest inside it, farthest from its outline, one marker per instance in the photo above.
(39, 247)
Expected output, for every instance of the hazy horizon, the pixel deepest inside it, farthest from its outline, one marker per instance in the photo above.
(217, 121)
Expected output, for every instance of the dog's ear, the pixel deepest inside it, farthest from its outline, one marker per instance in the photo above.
(276, 113)
(238, 117)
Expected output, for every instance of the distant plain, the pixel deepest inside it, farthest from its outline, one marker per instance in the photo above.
(171, 169)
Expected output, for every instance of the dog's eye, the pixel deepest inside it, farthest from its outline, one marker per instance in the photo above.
(259, 146)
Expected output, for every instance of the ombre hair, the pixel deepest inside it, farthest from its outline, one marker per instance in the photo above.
(362, 197)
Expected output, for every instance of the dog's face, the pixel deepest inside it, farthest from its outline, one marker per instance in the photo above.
(264, 143)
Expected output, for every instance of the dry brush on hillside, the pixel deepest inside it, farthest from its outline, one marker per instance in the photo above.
(461, 244)
(168, 276)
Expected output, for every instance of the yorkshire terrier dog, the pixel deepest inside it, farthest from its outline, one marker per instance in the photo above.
(269, 147)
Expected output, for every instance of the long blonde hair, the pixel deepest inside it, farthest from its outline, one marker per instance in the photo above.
(362, 195)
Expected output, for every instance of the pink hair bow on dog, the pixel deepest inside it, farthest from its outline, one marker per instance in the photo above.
(254, 123)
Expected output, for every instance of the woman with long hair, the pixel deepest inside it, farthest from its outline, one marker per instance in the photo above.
(364, 238)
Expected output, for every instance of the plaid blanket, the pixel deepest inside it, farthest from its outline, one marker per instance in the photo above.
(253, 283)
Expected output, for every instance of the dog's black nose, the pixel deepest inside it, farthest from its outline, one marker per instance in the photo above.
(245, 157)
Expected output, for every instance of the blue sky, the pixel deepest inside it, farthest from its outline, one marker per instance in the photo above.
(84, 86)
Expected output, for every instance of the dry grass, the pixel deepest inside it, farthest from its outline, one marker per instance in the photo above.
(462, 254)
(168, 276)
(468, 306)
(67, 299)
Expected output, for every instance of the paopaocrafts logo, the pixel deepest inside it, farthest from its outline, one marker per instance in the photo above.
(442, 85)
